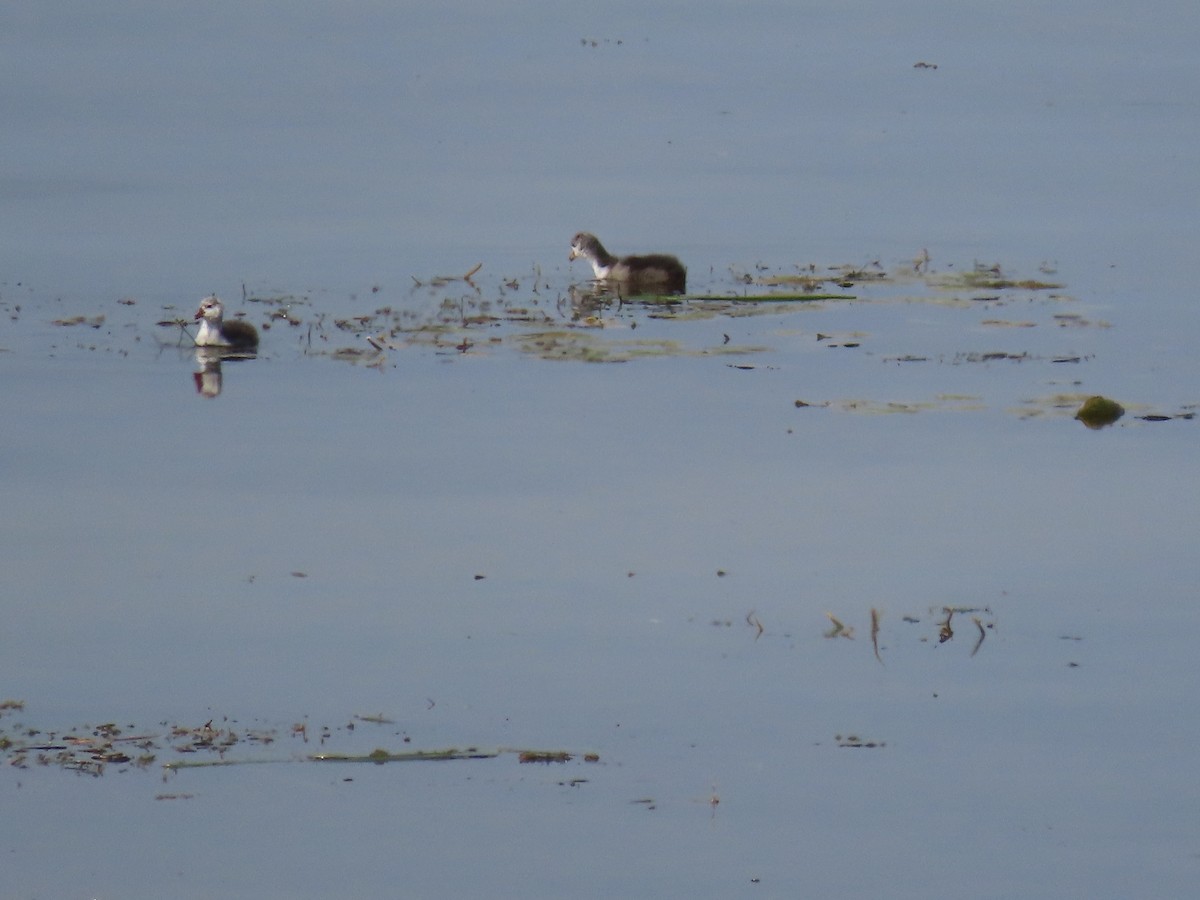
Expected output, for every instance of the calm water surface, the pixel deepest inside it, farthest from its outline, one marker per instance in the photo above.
(307, 547)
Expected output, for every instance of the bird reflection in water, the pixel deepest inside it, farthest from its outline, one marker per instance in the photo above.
(208, 367)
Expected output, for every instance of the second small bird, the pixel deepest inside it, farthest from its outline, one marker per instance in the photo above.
(655, 272)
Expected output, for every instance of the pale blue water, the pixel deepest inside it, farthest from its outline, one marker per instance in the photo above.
(149, 535)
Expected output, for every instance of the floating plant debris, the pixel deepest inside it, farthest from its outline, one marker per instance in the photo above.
(380, 756)
(875, 616)
(839, 629)
(110, 747)
(92, 321)
(473, 314)
(853, 740)
(982, 618)
(586, 323)
(544, 756)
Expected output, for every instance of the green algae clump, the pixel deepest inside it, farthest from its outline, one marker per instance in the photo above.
(1097, 412)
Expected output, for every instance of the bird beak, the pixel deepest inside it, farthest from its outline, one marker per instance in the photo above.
(573, 254)
(199, 315)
